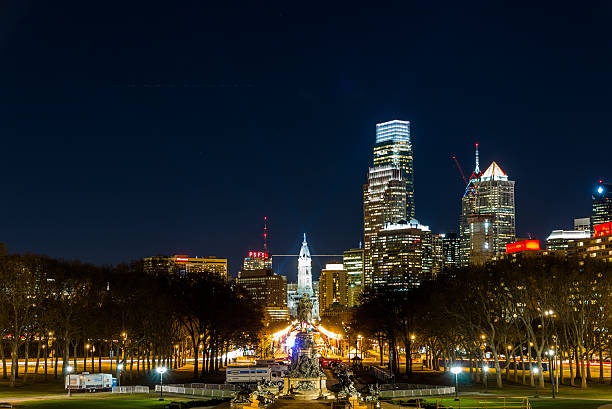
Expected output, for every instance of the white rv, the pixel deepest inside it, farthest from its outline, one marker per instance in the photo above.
(255, 373)
(89, 382)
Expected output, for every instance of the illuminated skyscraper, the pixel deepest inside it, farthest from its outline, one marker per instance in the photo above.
(353, 263)
(393, 148)
(333, 286)
(487, 221)
(402, 255)
(481, 239)
(468, 207)
(495, 197)
(602, 204)
(384, 201)
(450, 250)
(437, 254)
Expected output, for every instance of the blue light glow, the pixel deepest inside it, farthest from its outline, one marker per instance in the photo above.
(600, 189)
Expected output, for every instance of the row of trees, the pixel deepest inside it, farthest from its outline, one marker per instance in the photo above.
(514, 310)
(59, 309)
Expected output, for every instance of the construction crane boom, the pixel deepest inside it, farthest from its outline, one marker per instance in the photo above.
(460, 170)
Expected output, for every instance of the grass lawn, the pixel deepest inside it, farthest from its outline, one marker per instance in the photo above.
(33, 389)
(98, 402)
(541, 403)
(594, 391)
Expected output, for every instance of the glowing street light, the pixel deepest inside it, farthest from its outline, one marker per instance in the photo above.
(68, 371)
(456, 370)
(161, 370)
(536, 371)
(485, 371)
(119, 369)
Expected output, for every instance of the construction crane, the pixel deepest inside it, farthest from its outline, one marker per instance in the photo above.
(475, 174)
(460, 170)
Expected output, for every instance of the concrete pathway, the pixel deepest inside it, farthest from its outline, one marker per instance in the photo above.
(297, 404)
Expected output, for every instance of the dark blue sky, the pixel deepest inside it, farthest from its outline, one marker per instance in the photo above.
(138, 128)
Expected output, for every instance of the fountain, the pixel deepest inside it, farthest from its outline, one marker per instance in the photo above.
(305, 379)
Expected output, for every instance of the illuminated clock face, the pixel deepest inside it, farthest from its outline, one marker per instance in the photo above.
(600, 190)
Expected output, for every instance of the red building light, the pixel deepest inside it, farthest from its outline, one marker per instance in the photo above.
(522, 246)
(604, 229)
(181, 259)
(258, 254)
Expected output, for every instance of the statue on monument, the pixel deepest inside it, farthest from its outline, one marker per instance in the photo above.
(304, 309)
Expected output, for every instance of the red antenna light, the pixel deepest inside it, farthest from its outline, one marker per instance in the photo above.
(265, 235)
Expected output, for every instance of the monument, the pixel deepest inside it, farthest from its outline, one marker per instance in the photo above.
(304, 284)
(305, 379)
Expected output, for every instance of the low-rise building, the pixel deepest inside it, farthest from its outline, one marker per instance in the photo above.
(599, 246)
(559, 240)
(183, 265)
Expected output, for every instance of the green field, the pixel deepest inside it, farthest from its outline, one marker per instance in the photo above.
(100, 401)
(541, 403)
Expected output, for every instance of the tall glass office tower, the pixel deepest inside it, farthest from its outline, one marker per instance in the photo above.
(495, 197)
(393, 148)
(384, 201)
(602, 204)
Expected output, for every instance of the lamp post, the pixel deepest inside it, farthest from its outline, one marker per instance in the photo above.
(161, 370)
(536, 371)
(68, 371)
(119, 368)
(551, 354)
(456, 370)
(485, 371)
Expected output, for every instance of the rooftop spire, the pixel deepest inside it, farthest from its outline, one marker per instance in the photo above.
(477, 168)
(494, 172)
(304, 251)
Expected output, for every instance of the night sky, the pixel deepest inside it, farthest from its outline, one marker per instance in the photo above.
(138, 128)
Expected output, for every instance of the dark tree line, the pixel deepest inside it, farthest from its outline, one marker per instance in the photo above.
(53, 311)
(513, 310)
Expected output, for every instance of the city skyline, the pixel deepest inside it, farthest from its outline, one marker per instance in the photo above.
(160, 158)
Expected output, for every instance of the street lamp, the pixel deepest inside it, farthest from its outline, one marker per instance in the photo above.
(485, 371)
(119, 368)
(68, 371)
(456, 370)
(551, 371)
(536, 371)
(161, 370)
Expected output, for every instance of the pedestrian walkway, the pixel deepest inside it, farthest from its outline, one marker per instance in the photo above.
(293, 404)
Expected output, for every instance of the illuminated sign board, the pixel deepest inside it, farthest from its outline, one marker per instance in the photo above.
(604, 229)
(522, 246)
(258, 254)
(181, 259)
